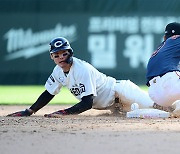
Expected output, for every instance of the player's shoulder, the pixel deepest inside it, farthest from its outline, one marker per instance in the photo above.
(77, 60)
(81, 63)
(82, 67)
(57, 69)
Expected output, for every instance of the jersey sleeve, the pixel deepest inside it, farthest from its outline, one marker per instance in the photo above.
(52, 85)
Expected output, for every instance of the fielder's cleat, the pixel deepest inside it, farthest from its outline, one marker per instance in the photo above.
(163, 108)
(176, 105)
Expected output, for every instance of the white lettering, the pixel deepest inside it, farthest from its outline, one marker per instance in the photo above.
(112, 24)
(103, 50)
(138, 49)
(19, 41)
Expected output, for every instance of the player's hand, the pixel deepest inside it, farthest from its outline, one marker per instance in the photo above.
(56, 114)
(24, 113)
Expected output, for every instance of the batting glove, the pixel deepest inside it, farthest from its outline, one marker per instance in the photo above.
(56, 114)
(25, 113)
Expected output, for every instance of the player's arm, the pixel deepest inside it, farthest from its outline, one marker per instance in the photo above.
(84, 105)
(43, 100)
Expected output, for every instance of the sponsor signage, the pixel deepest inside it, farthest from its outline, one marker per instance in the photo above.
(119, 46)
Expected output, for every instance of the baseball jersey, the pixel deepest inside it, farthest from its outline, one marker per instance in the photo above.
(82, 80)
(165, 59)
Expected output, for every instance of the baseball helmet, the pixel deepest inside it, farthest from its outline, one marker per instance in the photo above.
(172, 29)
(59, 44)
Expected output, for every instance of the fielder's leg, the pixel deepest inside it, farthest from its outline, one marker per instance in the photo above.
(166, 89)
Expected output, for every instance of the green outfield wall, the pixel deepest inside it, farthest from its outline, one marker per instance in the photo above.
(116, 36)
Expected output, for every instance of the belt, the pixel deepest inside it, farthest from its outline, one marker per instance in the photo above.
(153, 80)
(155, 77)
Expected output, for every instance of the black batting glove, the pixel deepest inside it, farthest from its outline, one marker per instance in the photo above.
(56, 114)
(21, 113)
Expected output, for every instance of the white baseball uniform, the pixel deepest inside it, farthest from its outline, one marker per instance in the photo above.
(83, 79)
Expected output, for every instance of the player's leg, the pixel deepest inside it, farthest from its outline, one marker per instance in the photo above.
(130, 93)
(165, 90)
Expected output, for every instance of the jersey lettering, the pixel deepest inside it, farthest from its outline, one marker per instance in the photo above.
(78, 89)
(52, 78)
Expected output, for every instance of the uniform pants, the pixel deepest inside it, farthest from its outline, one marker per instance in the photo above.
(130, 93)
(165, 90)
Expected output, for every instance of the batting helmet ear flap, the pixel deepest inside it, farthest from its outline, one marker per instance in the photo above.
(69, 59)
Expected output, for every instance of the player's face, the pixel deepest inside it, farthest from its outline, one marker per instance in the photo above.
(60, 58)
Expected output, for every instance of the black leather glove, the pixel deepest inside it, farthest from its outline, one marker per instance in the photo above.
(21, 113)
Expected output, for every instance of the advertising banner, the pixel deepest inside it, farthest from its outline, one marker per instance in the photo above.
(119, 46)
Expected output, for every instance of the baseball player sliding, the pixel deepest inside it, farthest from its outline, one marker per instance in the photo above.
(93, 88)
(163, 70)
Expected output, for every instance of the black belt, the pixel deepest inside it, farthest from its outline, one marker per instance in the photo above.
(148, 84)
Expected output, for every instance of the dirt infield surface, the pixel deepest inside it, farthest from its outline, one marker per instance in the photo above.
(93, 132)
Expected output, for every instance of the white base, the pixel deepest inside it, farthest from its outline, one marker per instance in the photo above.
(147, 113)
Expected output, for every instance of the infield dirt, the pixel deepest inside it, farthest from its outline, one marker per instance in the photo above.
(92, 132)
